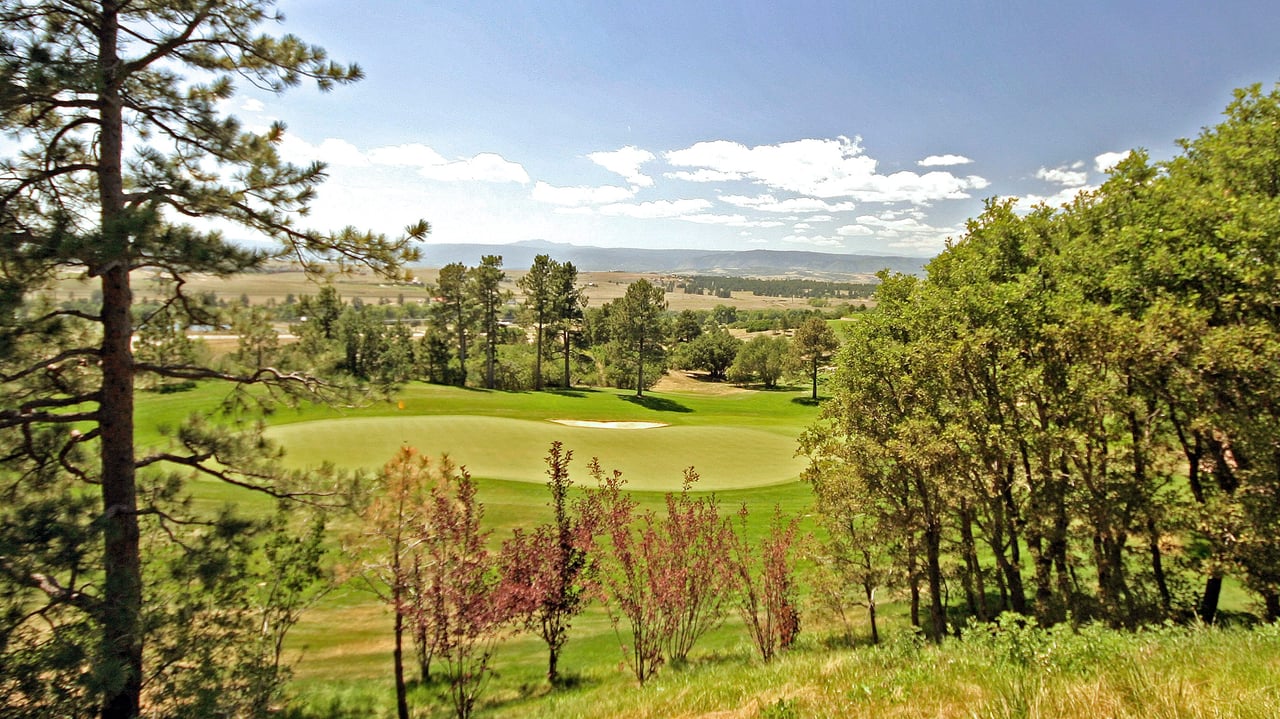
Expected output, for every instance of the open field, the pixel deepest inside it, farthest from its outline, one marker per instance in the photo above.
(599, 287)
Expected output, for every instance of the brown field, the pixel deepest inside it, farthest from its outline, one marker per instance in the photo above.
(600, 287)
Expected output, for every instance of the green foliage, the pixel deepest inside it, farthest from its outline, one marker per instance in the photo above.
(713, 352)
(1090, 388)
(762, 358)
(115, 112)
(636, 325)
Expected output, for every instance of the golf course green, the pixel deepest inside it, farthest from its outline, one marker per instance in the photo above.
(651, 459)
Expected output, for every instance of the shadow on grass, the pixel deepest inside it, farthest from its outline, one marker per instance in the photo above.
(657, 404)
(807, 401)
(575, 392)
(532, 693)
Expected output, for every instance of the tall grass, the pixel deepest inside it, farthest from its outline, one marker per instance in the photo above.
(1002, 673)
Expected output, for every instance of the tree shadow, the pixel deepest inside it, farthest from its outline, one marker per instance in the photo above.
(657, 404)
(807, 401)
(576, 392)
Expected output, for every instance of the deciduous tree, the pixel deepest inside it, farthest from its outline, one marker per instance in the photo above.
(812, 344)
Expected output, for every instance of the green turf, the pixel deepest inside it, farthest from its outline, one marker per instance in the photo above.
(726, 457)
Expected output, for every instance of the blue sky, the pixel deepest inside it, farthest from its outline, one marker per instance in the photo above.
(866, 127)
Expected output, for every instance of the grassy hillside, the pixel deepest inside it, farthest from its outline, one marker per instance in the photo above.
(742, 443)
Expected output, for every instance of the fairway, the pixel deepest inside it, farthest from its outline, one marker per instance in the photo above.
(651, 459)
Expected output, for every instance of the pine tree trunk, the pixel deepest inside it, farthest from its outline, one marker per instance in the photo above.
(537, 362)
(567, 379)
(640, 369)
(122, 566)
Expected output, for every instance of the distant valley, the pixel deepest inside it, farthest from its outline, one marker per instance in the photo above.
(740, 263)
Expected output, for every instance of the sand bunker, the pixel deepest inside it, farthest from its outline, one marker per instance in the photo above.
(609, 425)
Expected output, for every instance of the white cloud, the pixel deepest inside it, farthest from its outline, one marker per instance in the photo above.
(944, 161)
(411, 155)
(814, 240)
(901, 230)
(769, 203)
(802, 226)
(704, 175)
(731, 221)
(819, 218)
(1063, 176)
(656, 208)
(579, 196)
(483, 167)
(1108, 160)
(823, 168)
(252, 105)
(855, 231)
(1057, 199)
(331, 152)
(625, 162)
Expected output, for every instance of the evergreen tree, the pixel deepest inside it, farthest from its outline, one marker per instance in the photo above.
(636, 323)
(568, 308)
(538, 293)
(485, 283)
(86, 88)
(455, 311)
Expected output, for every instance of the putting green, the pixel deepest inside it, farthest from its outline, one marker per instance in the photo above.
(514, 449)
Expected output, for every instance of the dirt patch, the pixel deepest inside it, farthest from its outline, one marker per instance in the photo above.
(678, 381)
(593, 424)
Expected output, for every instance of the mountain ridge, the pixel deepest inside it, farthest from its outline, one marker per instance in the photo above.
(740, 263)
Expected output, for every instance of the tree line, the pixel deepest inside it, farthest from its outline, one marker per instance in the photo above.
(549, 336)
(766, 287)
(1074, 415)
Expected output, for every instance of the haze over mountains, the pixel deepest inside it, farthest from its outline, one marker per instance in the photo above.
(729, 263)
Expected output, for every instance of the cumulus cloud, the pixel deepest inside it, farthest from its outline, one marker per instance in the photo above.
(656, 208)
(1057, 199)
(625, 162)
(731, 221)
(484, 167)
(905, 230)
(1108, 160)
(825, 168)
(252, 105)
(580, 196)
(769, 203)
(813, 240)
(331, 152)
(944, 161)
(1068, 177)
(704, 175)
(855, 231)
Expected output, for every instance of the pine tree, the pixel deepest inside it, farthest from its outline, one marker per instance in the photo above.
(117, 110)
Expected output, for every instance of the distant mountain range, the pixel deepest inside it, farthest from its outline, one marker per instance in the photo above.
(727, 263)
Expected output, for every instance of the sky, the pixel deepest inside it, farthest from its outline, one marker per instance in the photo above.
(863, 127)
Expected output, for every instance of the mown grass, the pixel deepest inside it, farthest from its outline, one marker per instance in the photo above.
(343, 645)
